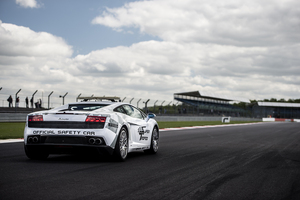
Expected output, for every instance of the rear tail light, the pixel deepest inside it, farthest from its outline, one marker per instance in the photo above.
(35, 118)
(95, 119)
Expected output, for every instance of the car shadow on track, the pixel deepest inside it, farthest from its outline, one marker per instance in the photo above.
(91, 158)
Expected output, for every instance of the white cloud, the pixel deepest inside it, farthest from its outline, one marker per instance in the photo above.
(21, 41)
(237, 22)
(28, 3)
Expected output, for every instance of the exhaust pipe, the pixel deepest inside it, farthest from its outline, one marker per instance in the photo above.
(98, 141)
(35, 139)
(30, 140)
(92, 141)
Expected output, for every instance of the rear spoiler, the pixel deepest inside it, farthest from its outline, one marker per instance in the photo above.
(113, 99)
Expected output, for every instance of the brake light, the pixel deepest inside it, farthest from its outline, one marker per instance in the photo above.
(35, 118)
(95, 119)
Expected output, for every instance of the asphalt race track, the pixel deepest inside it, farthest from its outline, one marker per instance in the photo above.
(260, 161)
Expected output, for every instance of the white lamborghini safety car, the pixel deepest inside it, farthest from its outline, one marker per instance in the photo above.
(115, 128)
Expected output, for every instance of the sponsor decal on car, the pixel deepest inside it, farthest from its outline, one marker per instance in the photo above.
(112, 125)
(142, 132)
(62, 132)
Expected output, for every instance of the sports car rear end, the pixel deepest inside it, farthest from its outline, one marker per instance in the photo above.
(72, 128)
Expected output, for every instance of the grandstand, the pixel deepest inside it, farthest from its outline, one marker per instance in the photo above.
(276, 110)
(209, 104)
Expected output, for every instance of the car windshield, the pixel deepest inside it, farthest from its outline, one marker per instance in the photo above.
(86, 107)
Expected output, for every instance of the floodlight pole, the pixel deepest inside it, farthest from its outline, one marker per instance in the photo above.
(154, 105)
(33, 99)
(16, 100)
(137, 105)
(176, 106)
(131, 100)
(169, 104)
(49, 99)
(63, 97)
(78, 97)
(161, 107)
(146, 102)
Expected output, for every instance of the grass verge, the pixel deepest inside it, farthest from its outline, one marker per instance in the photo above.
(13, 130)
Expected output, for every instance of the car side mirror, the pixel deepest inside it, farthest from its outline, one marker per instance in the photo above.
(150, 115)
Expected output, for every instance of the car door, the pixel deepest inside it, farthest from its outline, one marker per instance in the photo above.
(140, 133)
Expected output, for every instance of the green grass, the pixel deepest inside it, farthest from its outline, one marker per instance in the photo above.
(12, 130)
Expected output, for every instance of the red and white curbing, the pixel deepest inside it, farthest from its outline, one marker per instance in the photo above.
(280, 120)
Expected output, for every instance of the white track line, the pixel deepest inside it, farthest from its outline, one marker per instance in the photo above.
(11, 141)
(212, 126)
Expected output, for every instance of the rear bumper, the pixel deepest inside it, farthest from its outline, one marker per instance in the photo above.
(68, 144)
(65, 140)
(69, 136)
(71, 149)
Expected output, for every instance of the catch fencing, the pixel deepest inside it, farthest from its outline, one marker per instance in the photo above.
(159, 107)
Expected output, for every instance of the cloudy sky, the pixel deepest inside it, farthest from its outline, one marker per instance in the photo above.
(149, 49)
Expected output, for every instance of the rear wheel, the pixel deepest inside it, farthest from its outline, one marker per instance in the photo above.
(35, 153)
(121, 149)
(154, 142)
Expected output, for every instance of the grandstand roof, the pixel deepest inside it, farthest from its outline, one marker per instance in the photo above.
(278, 104)
(211, 95)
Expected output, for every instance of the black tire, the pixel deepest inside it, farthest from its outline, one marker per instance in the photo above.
(154, 142)
(35, 153)
(121, 148)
